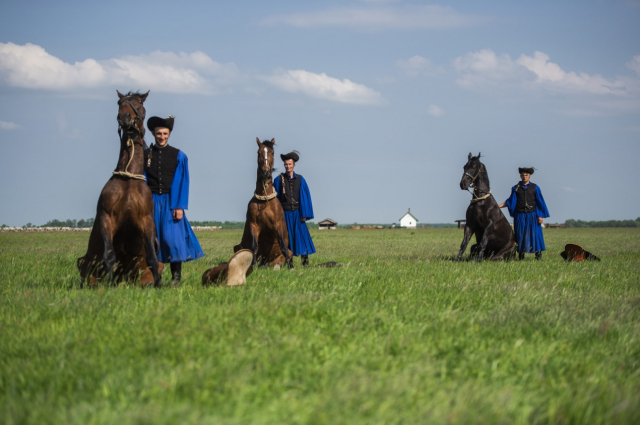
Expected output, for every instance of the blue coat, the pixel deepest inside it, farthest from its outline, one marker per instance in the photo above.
(527, 229)
(300, 242)
(177, 241)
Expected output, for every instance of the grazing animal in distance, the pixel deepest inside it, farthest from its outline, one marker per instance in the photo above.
(265, 230)
(494, 237)
(122, 244)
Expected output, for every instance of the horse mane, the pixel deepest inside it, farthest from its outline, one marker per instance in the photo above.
(483, 168)
(268, 144)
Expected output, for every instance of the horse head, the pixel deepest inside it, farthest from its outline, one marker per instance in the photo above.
(265, 159)
(472, 170)
(131, 112)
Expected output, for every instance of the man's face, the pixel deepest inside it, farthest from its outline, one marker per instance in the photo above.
(289, 165)
(525, 177)
(162, 135)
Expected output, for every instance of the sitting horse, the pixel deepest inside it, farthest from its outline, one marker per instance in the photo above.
(265, 230)
(494, 236)
(123, 238)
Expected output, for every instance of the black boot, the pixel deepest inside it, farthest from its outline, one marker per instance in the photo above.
(304, 260)
(176, 273)
(539, 255)
(521, 256)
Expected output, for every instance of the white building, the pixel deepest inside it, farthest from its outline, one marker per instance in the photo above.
(408, 220)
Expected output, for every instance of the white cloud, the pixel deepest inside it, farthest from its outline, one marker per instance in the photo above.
(31, 67)
(418, 65)
(635, 64)
(405, 17)
(435, 111)
(485, 69)
(322, 86)
(550, 76)
(4, 125)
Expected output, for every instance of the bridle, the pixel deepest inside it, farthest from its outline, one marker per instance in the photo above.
(264, 185)
(139, 116)
(472, 184)
(131, 139)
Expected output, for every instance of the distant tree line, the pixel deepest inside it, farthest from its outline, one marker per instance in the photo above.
(68, 223)
(234, 224)
(608, 223)
(240, 224)
(224, 225)
(397, 225)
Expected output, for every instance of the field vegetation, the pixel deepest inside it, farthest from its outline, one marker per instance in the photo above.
(399, 334)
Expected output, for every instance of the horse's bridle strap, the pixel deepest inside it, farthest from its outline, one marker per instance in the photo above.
(265, 197)
(129, 175)
(473, 201)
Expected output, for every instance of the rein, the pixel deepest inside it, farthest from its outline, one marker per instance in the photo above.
(480, 198)
(264, 186)
(473, 179)
(131, 142)
(265, 197)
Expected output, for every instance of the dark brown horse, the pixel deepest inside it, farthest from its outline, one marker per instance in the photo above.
(494, 237)
(265, 230)
(122, 241)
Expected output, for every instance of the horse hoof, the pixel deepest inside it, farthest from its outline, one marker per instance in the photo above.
(239, 268)
(277, 267)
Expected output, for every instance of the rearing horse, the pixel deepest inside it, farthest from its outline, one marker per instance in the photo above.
(494, 237)
(265, 230)
(122, 241)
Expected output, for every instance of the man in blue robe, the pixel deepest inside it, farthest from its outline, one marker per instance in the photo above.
(167, 172)
(528, 209)
(295, 198)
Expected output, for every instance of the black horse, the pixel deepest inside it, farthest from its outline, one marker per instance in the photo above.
(494, 237)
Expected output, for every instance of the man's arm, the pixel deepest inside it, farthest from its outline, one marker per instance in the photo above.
(180, 187)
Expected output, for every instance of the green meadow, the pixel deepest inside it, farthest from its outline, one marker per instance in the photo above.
(399, 334)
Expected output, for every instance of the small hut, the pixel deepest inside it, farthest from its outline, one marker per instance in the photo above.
(408, 220)
(327, 224)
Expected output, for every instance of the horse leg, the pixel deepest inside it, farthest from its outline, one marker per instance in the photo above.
(149, 232)
(255, 235)
(109, 255)
(283, 247)
(465, 241)
(505, 253)
(484, 241)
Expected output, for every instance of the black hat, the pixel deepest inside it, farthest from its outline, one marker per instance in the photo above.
(291, 155)
(154, 122)
(528, 170)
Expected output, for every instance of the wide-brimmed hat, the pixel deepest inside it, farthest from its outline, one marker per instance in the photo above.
(574, 252)
(528, 170)
(154, 122)
(291, 155)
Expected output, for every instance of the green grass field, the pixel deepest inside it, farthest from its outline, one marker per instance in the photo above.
(399, 334)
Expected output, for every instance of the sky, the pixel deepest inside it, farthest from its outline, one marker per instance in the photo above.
(384, 100)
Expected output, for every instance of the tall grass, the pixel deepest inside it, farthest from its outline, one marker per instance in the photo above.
(398, 334)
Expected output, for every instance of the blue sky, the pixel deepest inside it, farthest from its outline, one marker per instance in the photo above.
(383, 99)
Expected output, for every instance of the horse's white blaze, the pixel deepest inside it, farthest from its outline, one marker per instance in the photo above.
(266, 157)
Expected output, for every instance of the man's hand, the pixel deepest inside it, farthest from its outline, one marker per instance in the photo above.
(178, 213)
(303, 219)
(540, 220)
